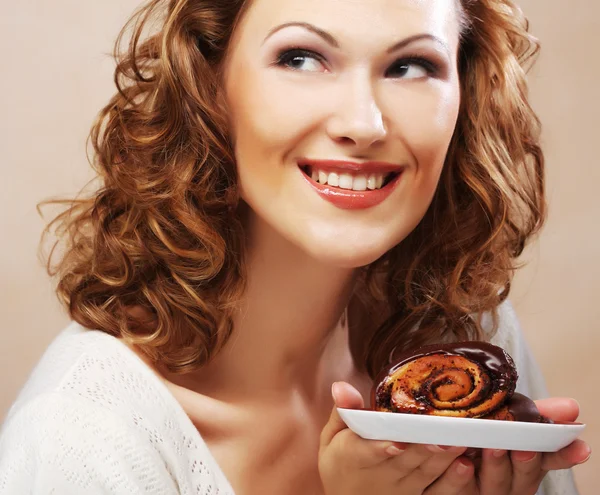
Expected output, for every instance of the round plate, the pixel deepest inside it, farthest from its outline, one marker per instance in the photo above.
(460, 432)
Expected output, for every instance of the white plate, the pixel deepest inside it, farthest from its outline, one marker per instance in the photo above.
(463, 432)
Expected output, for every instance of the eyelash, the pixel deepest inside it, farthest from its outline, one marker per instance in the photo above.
(286, 56)
(431, 67)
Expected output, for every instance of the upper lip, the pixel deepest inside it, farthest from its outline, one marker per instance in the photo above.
(350, 166)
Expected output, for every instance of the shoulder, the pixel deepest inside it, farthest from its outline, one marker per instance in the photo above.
(65, 360)
(71, 445)
(97, 369)
(71, 427)
(93, 413)
(87, 371)
(510, 336)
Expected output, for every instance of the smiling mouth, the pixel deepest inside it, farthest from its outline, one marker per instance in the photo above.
(349, 180)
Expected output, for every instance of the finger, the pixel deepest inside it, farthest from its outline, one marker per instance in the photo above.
(559, 408)
(411, 459)
(345, 396)
(527, 472)
(496, 472)
(456, 479)
(433, 467)
(577, 452)
(358, 453)
(472, 487)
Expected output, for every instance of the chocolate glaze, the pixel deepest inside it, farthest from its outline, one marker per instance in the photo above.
(494, 359)
(524, 409)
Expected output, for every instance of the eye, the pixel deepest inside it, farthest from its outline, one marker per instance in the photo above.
(302, 60)
(412, 68)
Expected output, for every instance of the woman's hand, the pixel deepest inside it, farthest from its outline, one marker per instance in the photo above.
(351, 465)
(520, 473)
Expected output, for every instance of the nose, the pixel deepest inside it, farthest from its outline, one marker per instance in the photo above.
(357, 119)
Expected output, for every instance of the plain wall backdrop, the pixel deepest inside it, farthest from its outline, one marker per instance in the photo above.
(56, 74)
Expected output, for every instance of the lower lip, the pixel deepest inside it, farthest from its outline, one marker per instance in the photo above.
(349, 199)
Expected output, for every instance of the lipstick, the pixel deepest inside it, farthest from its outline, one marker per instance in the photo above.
(375, 181)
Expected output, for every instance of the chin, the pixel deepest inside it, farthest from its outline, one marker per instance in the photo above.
(354, 245)
(341, 254)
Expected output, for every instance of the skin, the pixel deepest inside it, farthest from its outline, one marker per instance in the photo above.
(269, 391)
(348, 106)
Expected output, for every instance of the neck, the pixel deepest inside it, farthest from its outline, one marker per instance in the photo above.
(288, 327)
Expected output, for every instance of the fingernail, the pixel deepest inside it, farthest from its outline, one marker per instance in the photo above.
(462, 468)
(436, 449)
(587, 457)
(525, 460)
(393, 450)
(499, 453)
(334, 390)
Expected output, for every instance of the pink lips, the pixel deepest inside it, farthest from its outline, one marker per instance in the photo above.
(346, 198)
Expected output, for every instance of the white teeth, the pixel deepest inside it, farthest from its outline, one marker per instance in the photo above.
(372, 182)
(345, 181)
(359, 182)
(333, 179)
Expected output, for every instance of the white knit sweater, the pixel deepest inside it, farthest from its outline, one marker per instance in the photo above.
(94, 419)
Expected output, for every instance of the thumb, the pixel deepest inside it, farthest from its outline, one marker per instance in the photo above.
(558, 409)
(346, 397)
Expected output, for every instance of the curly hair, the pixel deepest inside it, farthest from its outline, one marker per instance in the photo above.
(155, 254)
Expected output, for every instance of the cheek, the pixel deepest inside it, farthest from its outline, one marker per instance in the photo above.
(268, 107)
(256, 142)
(267, 123)
(426, 125)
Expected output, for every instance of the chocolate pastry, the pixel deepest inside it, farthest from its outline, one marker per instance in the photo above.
(463, 380)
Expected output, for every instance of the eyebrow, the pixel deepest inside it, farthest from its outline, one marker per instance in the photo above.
(323, 34)
(333, 42)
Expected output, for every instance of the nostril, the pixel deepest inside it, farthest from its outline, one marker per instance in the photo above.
(347, 140)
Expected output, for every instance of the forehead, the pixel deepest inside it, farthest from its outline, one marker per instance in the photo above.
(368, 20)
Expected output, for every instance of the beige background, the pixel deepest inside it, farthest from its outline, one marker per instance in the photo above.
(55, 75)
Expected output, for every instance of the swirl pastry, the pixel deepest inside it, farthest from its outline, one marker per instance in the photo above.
(463, 380)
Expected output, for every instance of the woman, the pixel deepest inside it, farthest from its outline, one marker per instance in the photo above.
(292, 192)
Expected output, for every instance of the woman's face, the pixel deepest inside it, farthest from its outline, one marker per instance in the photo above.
(341, 113)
